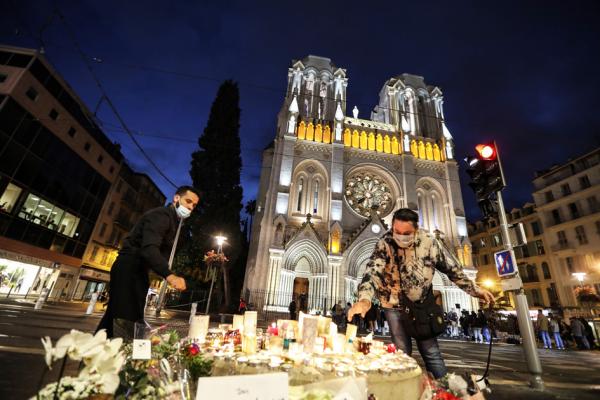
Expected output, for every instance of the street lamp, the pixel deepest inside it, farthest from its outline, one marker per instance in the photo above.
(220, 240)
(580, 277)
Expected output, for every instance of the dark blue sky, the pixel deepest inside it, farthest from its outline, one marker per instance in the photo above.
(523, 73)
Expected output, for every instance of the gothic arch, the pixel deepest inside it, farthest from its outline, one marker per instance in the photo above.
(358, 257)
(432, 200)
(315, 181)
(309, 251)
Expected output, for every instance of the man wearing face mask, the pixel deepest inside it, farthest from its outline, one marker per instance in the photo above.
(401, 270)
(147, 247)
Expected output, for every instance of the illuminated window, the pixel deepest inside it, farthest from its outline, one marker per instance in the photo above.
(9, 197)
(300, 189)
(316, 198)
(42, 212)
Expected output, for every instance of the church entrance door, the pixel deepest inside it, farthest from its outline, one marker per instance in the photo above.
(301, 293)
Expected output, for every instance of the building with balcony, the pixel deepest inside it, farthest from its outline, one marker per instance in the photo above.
(533, 259)
(567, 197)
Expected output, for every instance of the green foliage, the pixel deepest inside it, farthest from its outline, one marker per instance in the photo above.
(215, 172)
(198, 366)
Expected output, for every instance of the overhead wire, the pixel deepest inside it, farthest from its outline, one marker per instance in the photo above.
(107, 98)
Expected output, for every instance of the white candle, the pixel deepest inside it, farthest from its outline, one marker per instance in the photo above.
(250, 319)
(238, 323)
(338, 343)
(351, 332)
(199, 327)
(309, 332)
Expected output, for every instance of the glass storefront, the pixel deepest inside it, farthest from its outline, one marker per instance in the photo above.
(19, 278)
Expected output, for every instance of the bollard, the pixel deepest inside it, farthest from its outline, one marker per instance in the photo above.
(40, 300)
(92, 304)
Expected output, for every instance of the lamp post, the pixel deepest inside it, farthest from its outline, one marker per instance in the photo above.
(220, 240)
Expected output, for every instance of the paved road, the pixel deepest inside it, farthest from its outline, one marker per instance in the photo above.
(568, 375)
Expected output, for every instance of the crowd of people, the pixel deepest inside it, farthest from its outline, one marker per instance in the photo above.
(574, 333)
(552, 332)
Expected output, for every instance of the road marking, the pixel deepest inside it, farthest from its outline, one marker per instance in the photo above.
(22, 350)
(560, 385)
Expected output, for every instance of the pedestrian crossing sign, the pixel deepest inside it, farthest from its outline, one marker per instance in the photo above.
(505, 263)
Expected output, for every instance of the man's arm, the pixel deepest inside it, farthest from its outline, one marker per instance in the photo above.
(446, 262)
(154, 230)
(372, 280)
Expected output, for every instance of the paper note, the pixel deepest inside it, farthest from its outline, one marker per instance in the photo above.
(142, 349)
(244, 387)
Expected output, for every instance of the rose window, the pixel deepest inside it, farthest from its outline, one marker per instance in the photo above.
(366, 190)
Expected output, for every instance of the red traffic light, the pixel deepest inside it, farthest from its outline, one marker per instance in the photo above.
(486, 151)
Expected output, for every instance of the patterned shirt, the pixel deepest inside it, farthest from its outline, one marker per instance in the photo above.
(411, 271)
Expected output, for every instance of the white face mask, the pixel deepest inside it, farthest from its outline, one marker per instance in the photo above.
(404, 240)
(182, 212)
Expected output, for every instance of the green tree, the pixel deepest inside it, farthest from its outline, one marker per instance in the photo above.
(250, 210)
(215, 172)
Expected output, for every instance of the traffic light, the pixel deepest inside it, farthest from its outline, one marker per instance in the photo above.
(485, 171)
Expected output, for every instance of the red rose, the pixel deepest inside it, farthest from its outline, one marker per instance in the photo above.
(391, 348)
(193, 349)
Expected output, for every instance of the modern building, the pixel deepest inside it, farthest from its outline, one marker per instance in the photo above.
(535, 268)
(567, 197)
(56, 169)
(330, 183)
(131, 195)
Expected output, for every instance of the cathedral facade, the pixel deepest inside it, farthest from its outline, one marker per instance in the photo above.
(330, 183)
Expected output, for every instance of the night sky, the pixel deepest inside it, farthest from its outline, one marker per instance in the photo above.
(523, 73)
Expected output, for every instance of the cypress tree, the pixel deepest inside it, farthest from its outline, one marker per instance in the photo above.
(215, 172)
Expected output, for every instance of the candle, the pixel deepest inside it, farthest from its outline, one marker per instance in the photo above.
(351, 332)
(338, 343)
(250, 318)
(238, 322)
(319, 345)
(199, 327)
(276, 344)
(249, 344)
(301, 316)
(273, 330)
(323, 327)
(333, 331)
(309, 332)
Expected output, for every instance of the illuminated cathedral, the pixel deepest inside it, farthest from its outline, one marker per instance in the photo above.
(330, 183)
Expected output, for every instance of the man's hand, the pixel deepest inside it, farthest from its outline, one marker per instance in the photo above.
(176, 282)
(360, 307)
(486, 296)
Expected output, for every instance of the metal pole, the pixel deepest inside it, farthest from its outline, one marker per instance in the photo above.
(211, 288)
(213, 279)
(163, 288)
(525, 325)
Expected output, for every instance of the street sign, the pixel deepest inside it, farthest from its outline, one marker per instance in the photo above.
(505, 263)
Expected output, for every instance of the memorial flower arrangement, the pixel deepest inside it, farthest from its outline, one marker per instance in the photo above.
(449, 387)
(102, 360)
(212, 257)
(586, 294)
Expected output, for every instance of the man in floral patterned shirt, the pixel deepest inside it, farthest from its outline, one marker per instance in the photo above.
(410, 271)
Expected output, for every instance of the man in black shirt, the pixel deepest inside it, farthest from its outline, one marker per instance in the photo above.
(147, 247)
